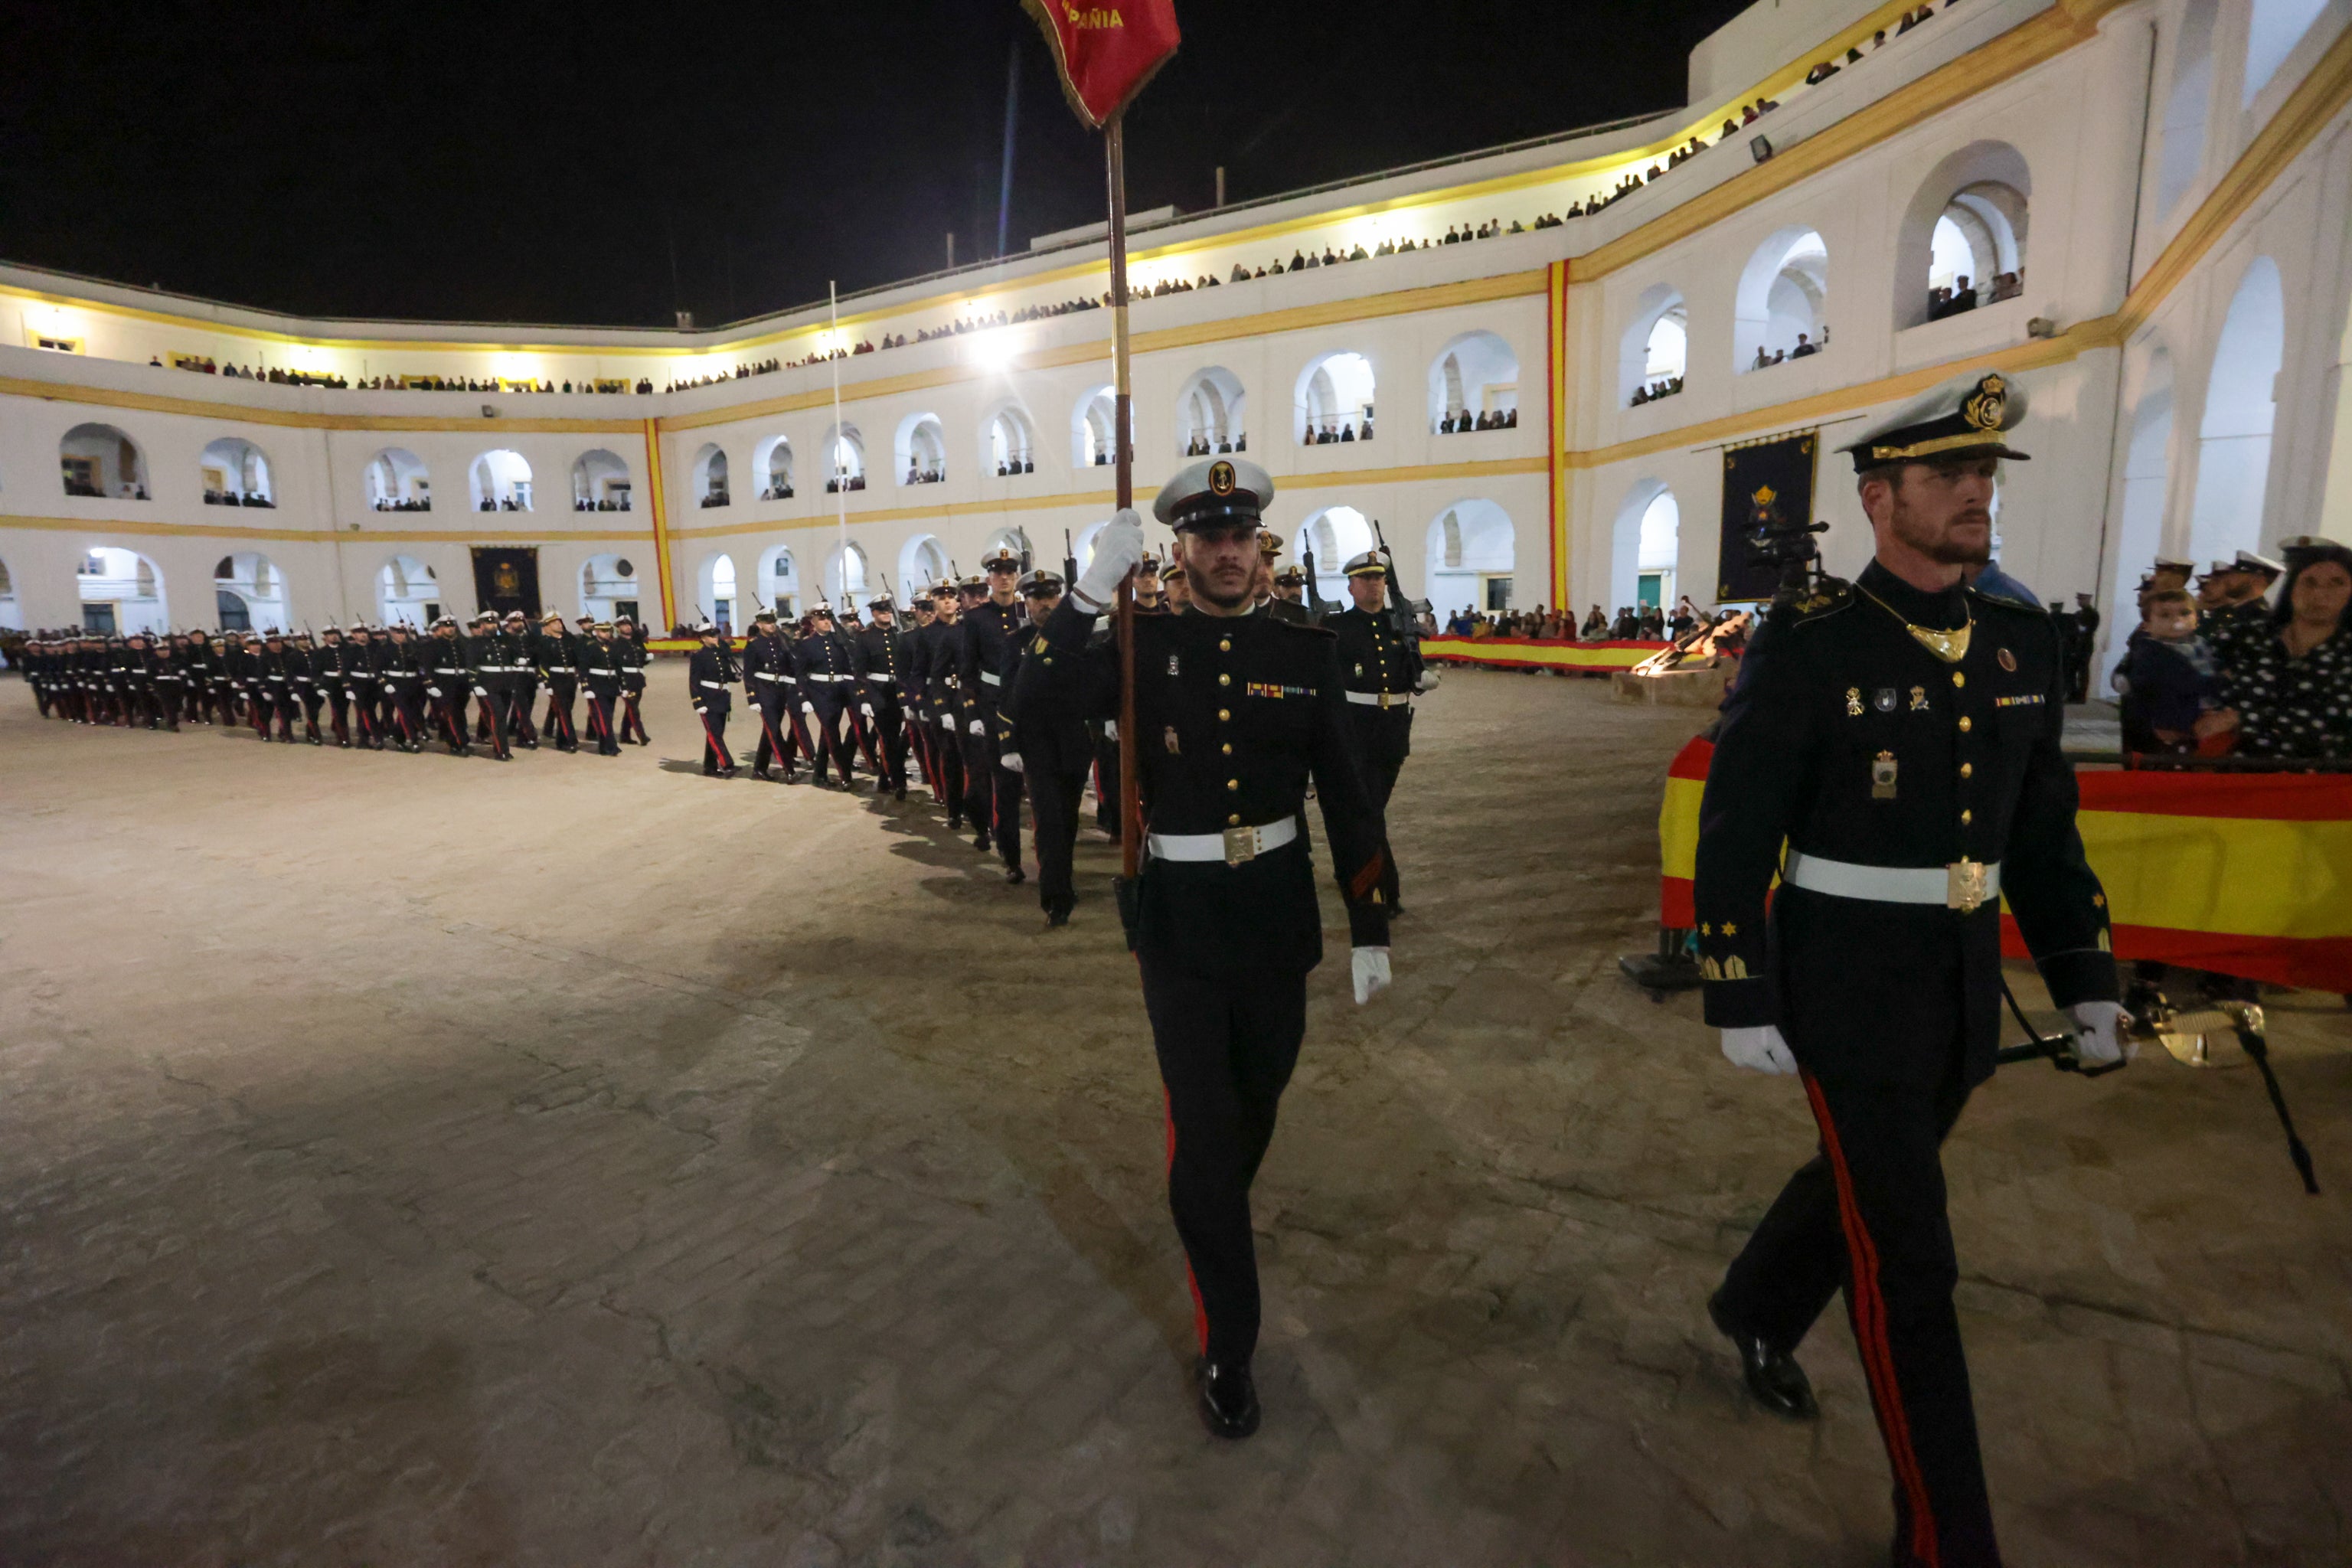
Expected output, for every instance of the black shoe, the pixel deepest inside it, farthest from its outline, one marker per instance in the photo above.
(1016, 875)
(1228, 1400)
(1056, 915)
(900, 793)
(1772, 1375)
(979, 842)
(955, 823)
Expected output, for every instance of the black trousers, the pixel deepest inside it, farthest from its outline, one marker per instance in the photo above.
(1867, 1214)
(603, 698)
(339, 708)
(825, 740)
(1055, 784)
(1226, 1046)
(715, 755)
(776, 735)
(368, 705)
(404, 706)
(888, 730)
(947, 765)
(1383, 741)
(519, 694)
(560, 692)
(633, 723)
(991, 791)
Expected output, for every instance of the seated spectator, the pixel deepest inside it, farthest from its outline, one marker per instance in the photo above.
(2290, 694)
(1595, 627)
(2169, 679)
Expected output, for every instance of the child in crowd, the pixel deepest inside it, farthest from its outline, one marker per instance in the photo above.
(2169, 679)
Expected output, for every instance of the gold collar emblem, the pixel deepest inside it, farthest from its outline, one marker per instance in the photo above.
(1949, 647)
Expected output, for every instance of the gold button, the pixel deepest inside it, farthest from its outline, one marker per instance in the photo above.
(1224, 680)
(1967, 769)
(1228, 748)
(1959, 680)
(1224, 645)
(1224, 714)
(1966, 817)
(1965, 725)
(1232, 784)
(1232, 821)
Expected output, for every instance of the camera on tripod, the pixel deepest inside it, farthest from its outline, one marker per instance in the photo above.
(1786, 546)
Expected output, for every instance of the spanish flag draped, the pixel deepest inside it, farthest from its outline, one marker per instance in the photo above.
(2246, 874)
(1537, 653)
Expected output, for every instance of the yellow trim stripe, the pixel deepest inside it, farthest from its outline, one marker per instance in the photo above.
(144, 528)
(661, 521)
(1678, 828)
(2240, 876)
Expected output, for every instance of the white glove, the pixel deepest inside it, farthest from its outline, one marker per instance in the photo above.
(1111, 729)
(947, 723)
(1369, 966)
(432, 691)
(350, 695)
(2099, 1036)
(809, 709)
(1758, 1050)
(867, 709)
(977, 728)
(1429, 675)
(1119, 549)
(1011, 759)
(482, 692)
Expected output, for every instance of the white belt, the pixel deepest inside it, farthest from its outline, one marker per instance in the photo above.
(770, 675)
(827, 677)
(991, 677)
(1381, 699)
(1233, 845)
(884, 679)
(1962, 885)
(711, 685)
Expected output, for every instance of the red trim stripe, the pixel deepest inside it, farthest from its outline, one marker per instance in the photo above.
(1200, 1308)
(1869, 1313)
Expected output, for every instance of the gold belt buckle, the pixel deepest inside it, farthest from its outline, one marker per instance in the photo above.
(1241, 844)
(1964, 885)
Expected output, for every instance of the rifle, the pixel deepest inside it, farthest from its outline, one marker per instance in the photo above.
(1317, 605)
(1403, 614)
(1069, 562)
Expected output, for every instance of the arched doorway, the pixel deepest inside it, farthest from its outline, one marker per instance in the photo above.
(407, 590)
(1012, 443)
(779, 581)
(1093, 423)
(852, 591)
(2233, 439)
(99, 462)
(1334, 534)
(1645, 547)
(715, 585)
(121, 590)
(251, 587)
(922, 561)
(12, 614)
(772, 463)
(922, 450)
(1212, 412)
(1468, 560)
(845, 454)
(710, 476)
(1653, 353)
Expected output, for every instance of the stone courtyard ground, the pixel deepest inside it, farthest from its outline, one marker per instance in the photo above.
(408, 1161)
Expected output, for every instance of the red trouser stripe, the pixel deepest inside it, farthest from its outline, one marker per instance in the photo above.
(1200, 1309)
(1870, 1332)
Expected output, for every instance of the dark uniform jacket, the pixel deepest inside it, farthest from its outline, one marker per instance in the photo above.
(1233, 716)
(1377, 661)
(599, 665)
(767, 665)
(825, 666)
(709, 671)
(988, 655)
(1848, 740)
(942, 648)
(1043, 720)
(882, 659)
(558, 656)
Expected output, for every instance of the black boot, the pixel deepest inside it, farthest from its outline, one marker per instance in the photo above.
(1228, 1400)
(1773, 1374)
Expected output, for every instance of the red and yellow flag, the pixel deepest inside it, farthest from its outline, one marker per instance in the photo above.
(1105, 49)
(2244, 873)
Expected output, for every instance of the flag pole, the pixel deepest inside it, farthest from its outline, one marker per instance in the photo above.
(840, 437)
(1130, 804)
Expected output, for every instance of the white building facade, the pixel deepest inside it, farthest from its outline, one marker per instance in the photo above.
(2168, 183)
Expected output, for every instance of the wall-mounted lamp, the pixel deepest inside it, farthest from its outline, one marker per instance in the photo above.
(1761, 146)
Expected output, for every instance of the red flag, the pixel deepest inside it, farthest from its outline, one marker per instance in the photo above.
(1105, 49)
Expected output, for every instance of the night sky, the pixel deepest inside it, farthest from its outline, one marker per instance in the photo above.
(594, 165)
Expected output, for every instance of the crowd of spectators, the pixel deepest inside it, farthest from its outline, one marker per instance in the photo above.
(935, 474)
(2230, 670)
(1651, 393)
(1462, 422)
(1766, 358)
(602, 503)
(835, 485)
(399, 503)
(782, 492)
(1958, 296)
(715, 496)
(232, 498)
(1334, 431)
(1198, 445)
(1009, 467)
(741, 372)
(1632, 623)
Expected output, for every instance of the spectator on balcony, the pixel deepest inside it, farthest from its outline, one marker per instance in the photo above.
(1805, 345)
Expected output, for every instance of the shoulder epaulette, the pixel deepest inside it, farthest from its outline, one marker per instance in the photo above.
(2005, 601)
(1822, 599)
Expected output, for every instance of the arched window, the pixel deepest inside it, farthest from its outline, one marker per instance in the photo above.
(1782, 302)
(121, 590)
(1334, 402)
(2147, 477)
(1333, 534)
(714, 580)
(1092, 428)
(235, 473)
(1962, 240)
(1012, 445)
(1014, 538)
(922, 450)
(1467, 558)
(407, 590)
(772, 461)
(2186, 106)
(1654, 353)
(779, 581)
(852, 590)
(256, 585)
(12, 615)
(710, 476)
(2272, 33)
(2234, 440)
(1474, 385)
(845, 460)
(99, 462)
(396, 481)
(502, 483)
(1211, 413)
(922, 561)
(600, 482)
(1643, 547)
(608, 587)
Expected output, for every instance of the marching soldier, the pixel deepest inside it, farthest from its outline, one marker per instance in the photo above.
(1381, 660)
(1045, 743)
(709, 675)
(330, 681)
(766, 665)
(827, 675)
(990, 655)
(1234, 714)
(1901, 735)
(519, 660)
(914, 675)
(633, 679)
(601, 670)
(403, 672)
(448, 680)
(559, 668)
(363, 683)
(483, 666)
(942, 641)
(302, 681)
(172, 679)
(1289, 603)
(275, 675)
(878, 655)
